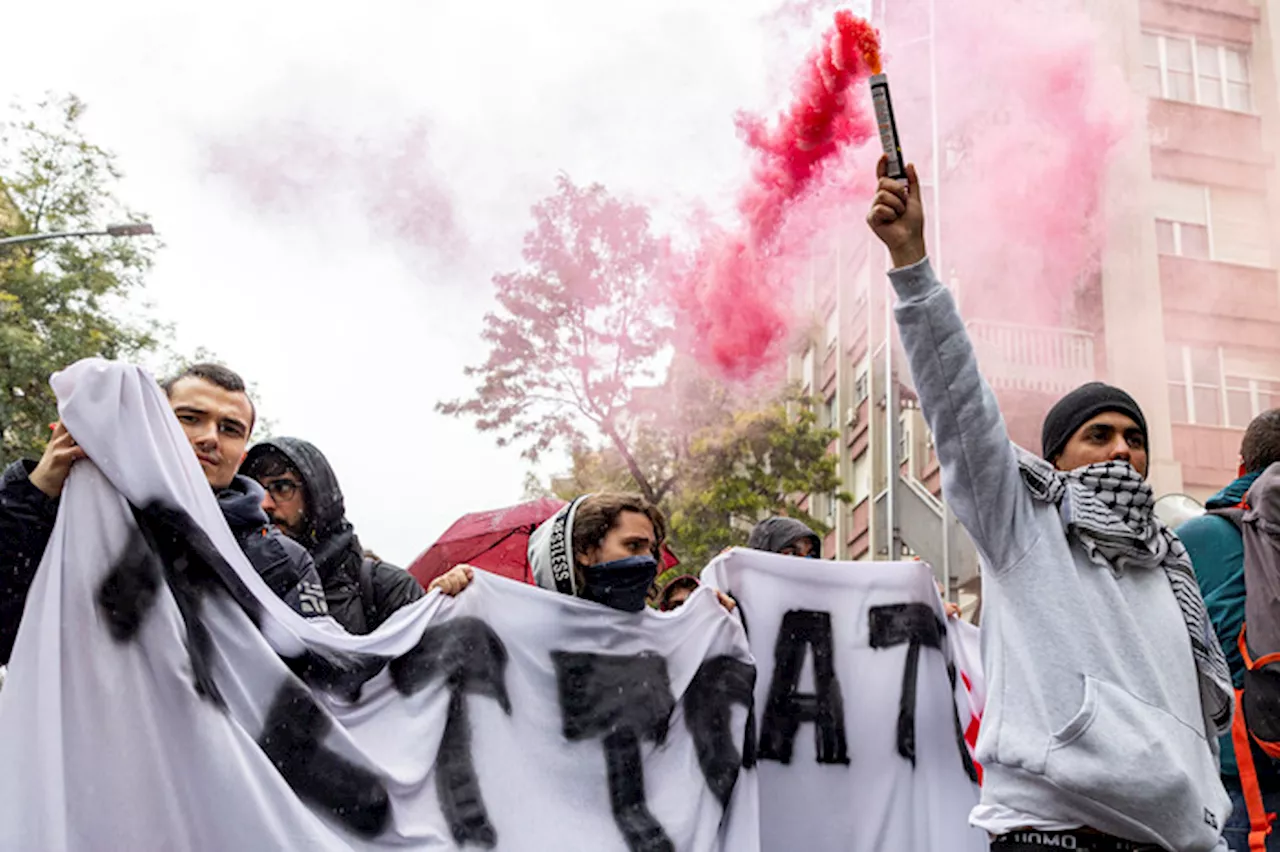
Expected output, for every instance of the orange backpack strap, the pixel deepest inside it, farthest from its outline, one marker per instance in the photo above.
(1259, 820)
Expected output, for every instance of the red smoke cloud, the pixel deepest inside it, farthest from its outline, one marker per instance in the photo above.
(734, 305)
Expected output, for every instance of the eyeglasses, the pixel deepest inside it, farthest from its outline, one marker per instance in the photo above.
(282, 489)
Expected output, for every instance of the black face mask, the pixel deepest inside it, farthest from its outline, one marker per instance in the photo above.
(622, 584)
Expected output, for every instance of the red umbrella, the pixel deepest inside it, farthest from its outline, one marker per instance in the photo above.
(496, 541)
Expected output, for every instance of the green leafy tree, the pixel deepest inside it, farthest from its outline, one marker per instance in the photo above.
(60, 300)
(757, 463)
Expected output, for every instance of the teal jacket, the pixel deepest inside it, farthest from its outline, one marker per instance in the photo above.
(1217, 554)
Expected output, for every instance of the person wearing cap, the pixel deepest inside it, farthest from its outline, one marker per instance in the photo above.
(1107, 686)
(600, 547)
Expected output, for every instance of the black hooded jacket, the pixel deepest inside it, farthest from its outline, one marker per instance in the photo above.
(773, 534)
(27, 515)
(358, 603)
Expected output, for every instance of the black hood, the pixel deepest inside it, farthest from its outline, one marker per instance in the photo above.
(773, 534)
(241, 504)
(326, 511)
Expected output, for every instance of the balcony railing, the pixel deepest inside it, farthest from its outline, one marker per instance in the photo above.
(1032, 358)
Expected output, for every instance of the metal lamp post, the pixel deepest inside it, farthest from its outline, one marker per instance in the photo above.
(134, 229)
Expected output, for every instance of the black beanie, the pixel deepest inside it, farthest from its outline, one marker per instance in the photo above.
(1078, 408)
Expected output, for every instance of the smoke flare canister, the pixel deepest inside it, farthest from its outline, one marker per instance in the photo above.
(888, 127)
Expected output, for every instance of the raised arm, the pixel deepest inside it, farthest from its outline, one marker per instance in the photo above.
(980, 476)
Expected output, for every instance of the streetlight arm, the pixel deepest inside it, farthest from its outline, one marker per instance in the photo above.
(35, 238)
(137, 229)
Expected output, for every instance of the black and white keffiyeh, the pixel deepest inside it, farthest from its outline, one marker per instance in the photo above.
(1110, 509)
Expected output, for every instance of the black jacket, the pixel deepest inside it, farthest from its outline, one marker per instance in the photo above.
(335, 548)
(26, 524)
(287, 568)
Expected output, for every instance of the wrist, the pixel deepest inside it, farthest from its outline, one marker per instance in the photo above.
(45, 482)
(907, 255)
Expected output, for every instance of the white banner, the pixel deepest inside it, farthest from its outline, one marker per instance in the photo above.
(145, 711)
(160, 697)
(860, 746)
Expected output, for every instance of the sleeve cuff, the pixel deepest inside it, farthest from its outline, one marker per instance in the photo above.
(17, 480)
(915, 282)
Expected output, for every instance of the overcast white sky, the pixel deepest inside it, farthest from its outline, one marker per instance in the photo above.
(352, 332)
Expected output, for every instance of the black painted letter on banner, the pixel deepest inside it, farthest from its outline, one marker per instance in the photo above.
(804, 631)
(293, 740)
(472, 660)
(720, 683)
(191, 571)
(622, 700)
(915, 625)
(129, 590)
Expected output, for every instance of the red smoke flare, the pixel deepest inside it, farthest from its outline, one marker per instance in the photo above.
(733, 302)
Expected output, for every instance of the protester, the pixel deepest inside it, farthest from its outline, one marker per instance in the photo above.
(785, 535)
(676, 592)
(601, 547)
(217, 415)
(1107, 687)
(1217, 552)
(304, 500)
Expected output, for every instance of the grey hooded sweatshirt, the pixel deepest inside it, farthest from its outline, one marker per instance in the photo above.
(1093, 713)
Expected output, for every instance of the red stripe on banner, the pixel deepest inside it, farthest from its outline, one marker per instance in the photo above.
(971, 732)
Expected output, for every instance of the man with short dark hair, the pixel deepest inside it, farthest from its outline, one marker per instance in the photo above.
(1217, 552)
(217, 416)
(304, 500)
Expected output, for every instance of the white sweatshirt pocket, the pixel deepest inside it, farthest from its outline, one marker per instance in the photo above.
(1143, 764)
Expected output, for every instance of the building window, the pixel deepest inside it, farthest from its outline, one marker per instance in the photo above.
(860, 481)
(1196, 71)
(1182, 239)
(1182, 220)
(1248, 397)
(861, 388)
(833, 506)
(1212, 223)
(829, 416)
(1204, 392)
(806, 369)
(833, 326)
